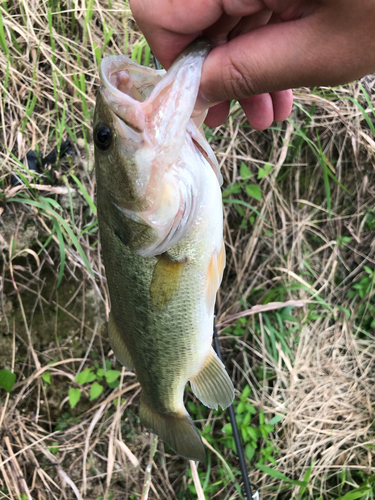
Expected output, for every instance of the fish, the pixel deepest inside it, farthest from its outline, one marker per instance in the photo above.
(160, 221)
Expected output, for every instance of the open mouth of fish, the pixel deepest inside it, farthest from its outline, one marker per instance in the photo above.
(158, 102)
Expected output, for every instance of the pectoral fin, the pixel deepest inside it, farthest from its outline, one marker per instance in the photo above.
(118, 344)
(212, 385)
(165, 280)
(214, 276)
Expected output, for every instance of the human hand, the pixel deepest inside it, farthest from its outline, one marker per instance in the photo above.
(263, 47)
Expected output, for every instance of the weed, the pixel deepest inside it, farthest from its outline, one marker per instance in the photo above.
(363, 294)
(255, 437)
(7, 379)
(94, 376)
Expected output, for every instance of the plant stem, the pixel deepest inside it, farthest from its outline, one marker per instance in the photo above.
(196, 480)
(148, 478)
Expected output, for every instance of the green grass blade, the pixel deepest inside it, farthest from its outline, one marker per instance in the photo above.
(3, 41)
(146, 60)
(306, 479)
(279, 475)
(135, 53)
(316, 152)
(240, 202)
(29, 109)
(363, 111)
(52, 213)
(325, 175)
(62, 251)
(91, 228)
(368, 100)
(86, 195)
(47, 241)
(66, 182)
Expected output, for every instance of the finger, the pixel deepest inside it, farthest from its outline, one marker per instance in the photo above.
(219, 31)
(276, 57)
(170, 27)
(258, 110)
(282, 104)
(242, 8)
(217, 114)
(167, 46)
(249, 23)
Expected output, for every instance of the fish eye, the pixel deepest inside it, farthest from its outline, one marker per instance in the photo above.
(102, 136)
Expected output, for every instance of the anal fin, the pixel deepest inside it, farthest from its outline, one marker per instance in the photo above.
(118, 344)
(177, 430)
(212, 385)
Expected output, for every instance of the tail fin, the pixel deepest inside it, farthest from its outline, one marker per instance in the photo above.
(177, 430)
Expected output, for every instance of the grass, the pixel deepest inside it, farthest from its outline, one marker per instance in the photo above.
(299, 226)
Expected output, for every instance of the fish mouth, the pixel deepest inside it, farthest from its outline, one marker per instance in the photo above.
(134, 92)
(125, 86)
(122, 76)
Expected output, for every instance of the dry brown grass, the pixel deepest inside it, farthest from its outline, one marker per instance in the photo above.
(322, 384)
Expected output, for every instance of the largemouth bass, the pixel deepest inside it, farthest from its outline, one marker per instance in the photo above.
(161, 229)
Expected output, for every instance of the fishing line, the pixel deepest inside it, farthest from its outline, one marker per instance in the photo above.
(157, 64)
(236, 435)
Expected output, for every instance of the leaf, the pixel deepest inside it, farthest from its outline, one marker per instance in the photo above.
(85, 376)
(357, 493)
(246, 392)
(262, 172)
(252, 433)
(244, 433)
(112, 375)
(88, 198)
(306, 479)
(74, 396)
(249, 451)
(250, 409)
(279, 475)
(54, 448)
(114, 385)
(232, 189)
(268, 428)
(95, 390)
(46, 376)
(276, 419)
(240, 408)
(227, 429)
(62, 250)
(245, 172)
(261, 417)
(254, 191)
(7, 379)
(243, 203)
(246, 419)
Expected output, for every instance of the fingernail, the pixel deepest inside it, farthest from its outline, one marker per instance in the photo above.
(201, 105)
